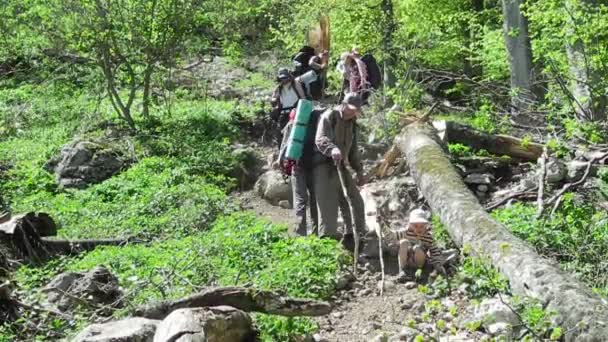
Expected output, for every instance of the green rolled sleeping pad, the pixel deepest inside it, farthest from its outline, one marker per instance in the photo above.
(295, 144)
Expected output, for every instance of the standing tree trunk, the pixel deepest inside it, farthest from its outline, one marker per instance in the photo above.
(519, 51)
(471, 68)
(387, 42)
(469, 224)
(590, 103)
(146, 96)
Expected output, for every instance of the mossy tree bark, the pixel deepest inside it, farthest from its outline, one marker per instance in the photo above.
(498, 144)
(246, 299)
(469, 224)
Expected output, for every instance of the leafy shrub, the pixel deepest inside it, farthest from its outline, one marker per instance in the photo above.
(156, 197)
(239, 249)
(589, 131)
(459, 150)
(576, 235)
(484, 280)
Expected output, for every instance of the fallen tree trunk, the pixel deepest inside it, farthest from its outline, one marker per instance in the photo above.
(245, 299)
(469, 224)
(499, 144)
(26, 237)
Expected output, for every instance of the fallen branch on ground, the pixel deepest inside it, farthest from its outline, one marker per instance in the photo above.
(541, 183)
(26, 238)
(245, 299)
(521, 194)
(499, 144)
(557, 198)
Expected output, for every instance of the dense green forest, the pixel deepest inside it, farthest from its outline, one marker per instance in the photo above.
(133, 74)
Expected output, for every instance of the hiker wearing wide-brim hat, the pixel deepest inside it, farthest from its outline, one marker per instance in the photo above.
(336, 142)
(417, 249)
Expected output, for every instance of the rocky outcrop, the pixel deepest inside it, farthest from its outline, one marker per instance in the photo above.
(213, 324)
(135, 329)
(96, 287)
(85, 162)
(222, 79)
(272, 187)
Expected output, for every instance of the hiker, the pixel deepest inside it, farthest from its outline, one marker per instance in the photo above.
(354, 73)
(284, 99)
(417, 249)
(336, 142)
(301, 60)
(302, 176)
(314, 79)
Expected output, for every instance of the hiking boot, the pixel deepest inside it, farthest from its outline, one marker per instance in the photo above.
(348, 242)
(404, 277)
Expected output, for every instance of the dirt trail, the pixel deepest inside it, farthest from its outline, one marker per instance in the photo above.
(360, 312)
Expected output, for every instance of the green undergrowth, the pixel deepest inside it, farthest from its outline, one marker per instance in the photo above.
(239, 249)
(576, 235)
(155, 198)
(182, 164)
(173, 197)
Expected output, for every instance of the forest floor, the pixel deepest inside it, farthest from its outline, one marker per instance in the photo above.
(362, 312)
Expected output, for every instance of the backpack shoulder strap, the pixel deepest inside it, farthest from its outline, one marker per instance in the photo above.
(293, 85)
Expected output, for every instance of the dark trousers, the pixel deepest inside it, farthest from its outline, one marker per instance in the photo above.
(304, 198)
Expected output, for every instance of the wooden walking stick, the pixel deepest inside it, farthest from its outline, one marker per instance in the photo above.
(339, 166)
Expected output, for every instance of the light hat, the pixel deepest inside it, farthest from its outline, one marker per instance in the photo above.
(418, 216)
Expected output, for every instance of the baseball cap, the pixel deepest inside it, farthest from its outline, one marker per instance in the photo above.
(283, 74)
(353, 101)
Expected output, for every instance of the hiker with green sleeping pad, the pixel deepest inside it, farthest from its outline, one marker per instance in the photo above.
(297, 150)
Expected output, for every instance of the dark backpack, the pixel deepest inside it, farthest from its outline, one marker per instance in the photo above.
(301, 60)
(374, 75)
(309, 148)
(316, 88)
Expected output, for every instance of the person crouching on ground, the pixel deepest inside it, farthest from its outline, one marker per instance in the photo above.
(417, 249)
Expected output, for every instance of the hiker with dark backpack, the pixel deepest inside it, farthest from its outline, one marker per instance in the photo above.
(354, 72)
(301, 60)
(301, 172)
(285, 98)
(361, 74)
(313, 80)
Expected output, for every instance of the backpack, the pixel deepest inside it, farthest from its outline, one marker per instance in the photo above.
(287, 165)
(374, 75)
(316, 89)
(301, 60)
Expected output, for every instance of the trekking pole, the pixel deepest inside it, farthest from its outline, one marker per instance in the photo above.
(352, 215)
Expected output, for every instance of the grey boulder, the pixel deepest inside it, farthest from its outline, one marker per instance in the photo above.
(135, 329)
(209, 324)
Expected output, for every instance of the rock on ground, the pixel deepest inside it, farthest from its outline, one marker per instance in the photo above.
(249, 168)
(85, 162)
(555, 171)
(272, 187)
(576, 170)
(496, 317)
(214, 324)
(135, 329)
(70, 289)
